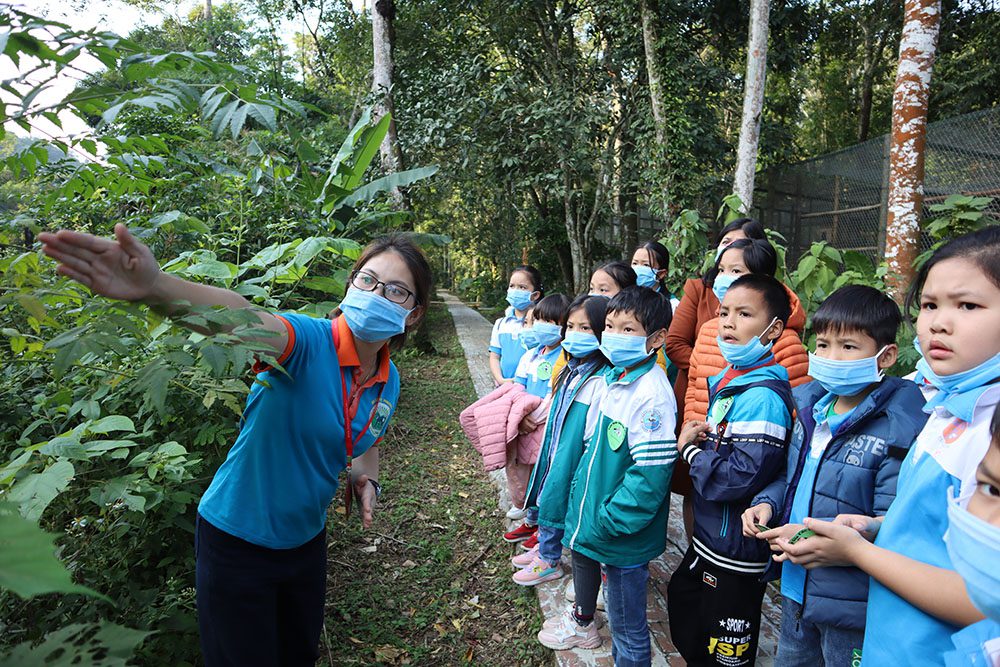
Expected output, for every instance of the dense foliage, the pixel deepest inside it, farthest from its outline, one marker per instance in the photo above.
(257, 177)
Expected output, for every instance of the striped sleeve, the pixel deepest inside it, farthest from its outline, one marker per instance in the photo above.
(651, 439)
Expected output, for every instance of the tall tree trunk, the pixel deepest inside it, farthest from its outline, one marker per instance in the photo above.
(650, 21)
(383, 36)
(917, 47)
(208, 19)
(753, 103)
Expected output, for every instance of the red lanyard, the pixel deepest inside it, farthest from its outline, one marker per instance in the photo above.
(348, 428)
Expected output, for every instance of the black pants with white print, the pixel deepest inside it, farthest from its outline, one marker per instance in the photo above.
(714, 613)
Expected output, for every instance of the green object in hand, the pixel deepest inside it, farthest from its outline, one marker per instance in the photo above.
(801, 535)
(761, 527)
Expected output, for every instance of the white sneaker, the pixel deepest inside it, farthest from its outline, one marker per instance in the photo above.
(571, 595)
(568, 634)
(553, 622)
(516, 513)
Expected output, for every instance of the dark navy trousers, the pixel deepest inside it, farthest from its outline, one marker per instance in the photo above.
(258, 607)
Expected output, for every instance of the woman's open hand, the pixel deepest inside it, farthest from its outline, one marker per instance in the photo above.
(121, 269)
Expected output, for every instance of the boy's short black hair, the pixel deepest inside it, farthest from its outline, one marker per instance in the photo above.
(773, 293)
(652, 309)
(859, 308)
(552, 308)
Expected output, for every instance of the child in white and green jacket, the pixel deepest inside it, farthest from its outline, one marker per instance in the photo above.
(619, 495)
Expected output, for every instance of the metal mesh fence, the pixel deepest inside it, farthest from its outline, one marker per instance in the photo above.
(841, 197)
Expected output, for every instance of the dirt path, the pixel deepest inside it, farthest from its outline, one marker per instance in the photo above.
(474, 334)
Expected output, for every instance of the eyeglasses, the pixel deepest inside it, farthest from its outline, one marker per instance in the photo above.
(365, 281)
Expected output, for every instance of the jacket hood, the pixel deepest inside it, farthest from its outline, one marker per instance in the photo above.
(797, 319)
(893, 397)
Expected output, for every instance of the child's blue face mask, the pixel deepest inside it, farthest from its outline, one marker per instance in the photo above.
(520, 299)
(528, 338)
(645, 276)
(372, 317)
(580, 344)
(974, 548)
(722, 283)
(548, 334)
(746, 354)
(623, 350)
(845, 378)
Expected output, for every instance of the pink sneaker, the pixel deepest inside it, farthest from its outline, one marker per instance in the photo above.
(567, 634)
(525, 559)
(538, 572)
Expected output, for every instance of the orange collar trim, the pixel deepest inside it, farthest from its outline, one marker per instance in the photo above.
(347, 353)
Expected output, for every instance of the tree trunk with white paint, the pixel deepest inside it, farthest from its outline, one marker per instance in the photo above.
(917, 47)
(383, 37)
(753, 103)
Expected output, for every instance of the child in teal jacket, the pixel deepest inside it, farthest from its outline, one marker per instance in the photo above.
(619, 496)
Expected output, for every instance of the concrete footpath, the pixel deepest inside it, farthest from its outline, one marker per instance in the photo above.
(474, 334)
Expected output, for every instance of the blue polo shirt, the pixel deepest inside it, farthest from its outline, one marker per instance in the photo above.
(505, 341)
(534, 372)
(281, 474)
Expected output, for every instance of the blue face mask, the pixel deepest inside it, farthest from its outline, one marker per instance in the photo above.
(580, 344)
(645, 276)
(974, 548)
(958, 391)
(845, 378)
(622, 350)
(528, 338)
(718, 251)
(722, 283)
(548, 334)
(520, 299)
(741, 356)
(372, 317)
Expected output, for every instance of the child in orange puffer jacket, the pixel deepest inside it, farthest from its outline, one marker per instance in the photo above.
(740, 258)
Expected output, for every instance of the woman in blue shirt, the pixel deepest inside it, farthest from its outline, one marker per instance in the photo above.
(260, 544)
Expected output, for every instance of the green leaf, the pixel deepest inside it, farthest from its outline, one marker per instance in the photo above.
(239, 118)
(112, 423)
(363, 154)
(212, 268)
(263, 114)
(387, 183)
(28, 563)
(104, 645)
(806, 266)
(215, 357)
(34, 493)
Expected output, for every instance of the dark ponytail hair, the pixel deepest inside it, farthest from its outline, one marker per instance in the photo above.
(659, 259)
(596, 308)
(982, 248)
(623, 274)
(419, 268)
(535, 275)
(759, 256)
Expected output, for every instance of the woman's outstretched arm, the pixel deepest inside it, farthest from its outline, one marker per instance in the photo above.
(125, 269)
